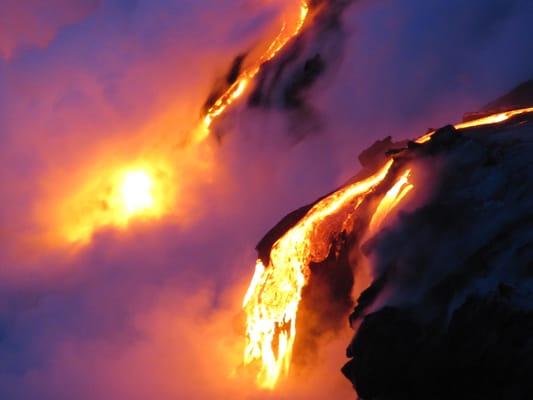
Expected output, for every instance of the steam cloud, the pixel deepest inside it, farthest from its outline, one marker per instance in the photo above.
(154, 311)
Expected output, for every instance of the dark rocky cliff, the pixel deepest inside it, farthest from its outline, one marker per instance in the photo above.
(450, 313)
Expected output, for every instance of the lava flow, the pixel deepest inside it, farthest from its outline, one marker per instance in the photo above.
(271, 303)
(241, 83)
(488, 120)
(125, 193)
(391, 199)
(272, 299)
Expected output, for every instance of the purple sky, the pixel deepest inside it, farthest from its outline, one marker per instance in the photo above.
(152, 311)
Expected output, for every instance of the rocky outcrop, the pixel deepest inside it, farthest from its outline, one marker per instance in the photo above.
(485, 351)
(445, 286)
(450, 312)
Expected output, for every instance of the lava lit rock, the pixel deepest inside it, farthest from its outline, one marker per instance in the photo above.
(445, 287)
(450, 312)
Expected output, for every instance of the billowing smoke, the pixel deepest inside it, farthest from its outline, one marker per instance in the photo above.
(153, 311)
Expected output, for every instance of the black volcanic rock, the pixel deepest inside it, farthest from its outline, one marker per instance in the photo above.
(325, 300)
(485, 352)
(294, 92)
(449, 312)
(520, 97)
(220, 87)
(284, 82)
(450, 315)
(373, 157)
(235, 69)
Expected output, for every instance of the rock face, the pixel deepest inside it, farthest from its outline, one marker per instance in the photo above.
(284, 81)
(483, 352)
(445, 284)
(519, 97)
(450, 312)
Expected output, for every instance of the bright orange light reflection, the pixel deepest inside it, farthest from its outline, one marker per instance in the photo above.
(113, 197)
(137, 192)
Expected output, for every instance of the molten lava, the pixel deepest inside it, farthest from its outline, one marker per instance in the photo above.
(488, 120)
(239, 86)
(272, 299)
(271, 303)
(391, 199)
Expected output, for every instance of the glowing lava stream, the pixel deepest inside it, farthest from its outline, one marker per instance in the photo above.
(488, 120)
(240, 85)
(139, 191)
(271, 303)
(391, 199)
(272, 299)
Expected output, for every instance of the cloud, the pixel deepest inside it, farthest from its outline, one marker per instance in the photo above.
(35, 24)
(153, 310)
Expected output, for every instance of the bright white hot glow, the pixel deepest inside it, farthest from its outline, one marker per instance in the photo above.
(137, 192)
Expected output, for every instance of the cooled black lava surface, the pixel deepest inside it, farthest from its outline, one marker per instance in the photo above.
(450, 314)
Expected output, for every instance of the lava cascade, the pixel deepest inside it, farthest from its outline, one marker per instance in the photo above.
(272, 299)
(237, 88)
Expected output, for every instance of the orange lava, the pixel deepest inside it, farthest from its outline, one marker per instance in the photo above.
(239, 86)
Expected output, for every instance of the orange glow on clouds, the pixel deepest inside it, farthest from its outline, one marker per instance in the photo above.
(115, 199)
(145, 178)
(137, 192)
(115, 195)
